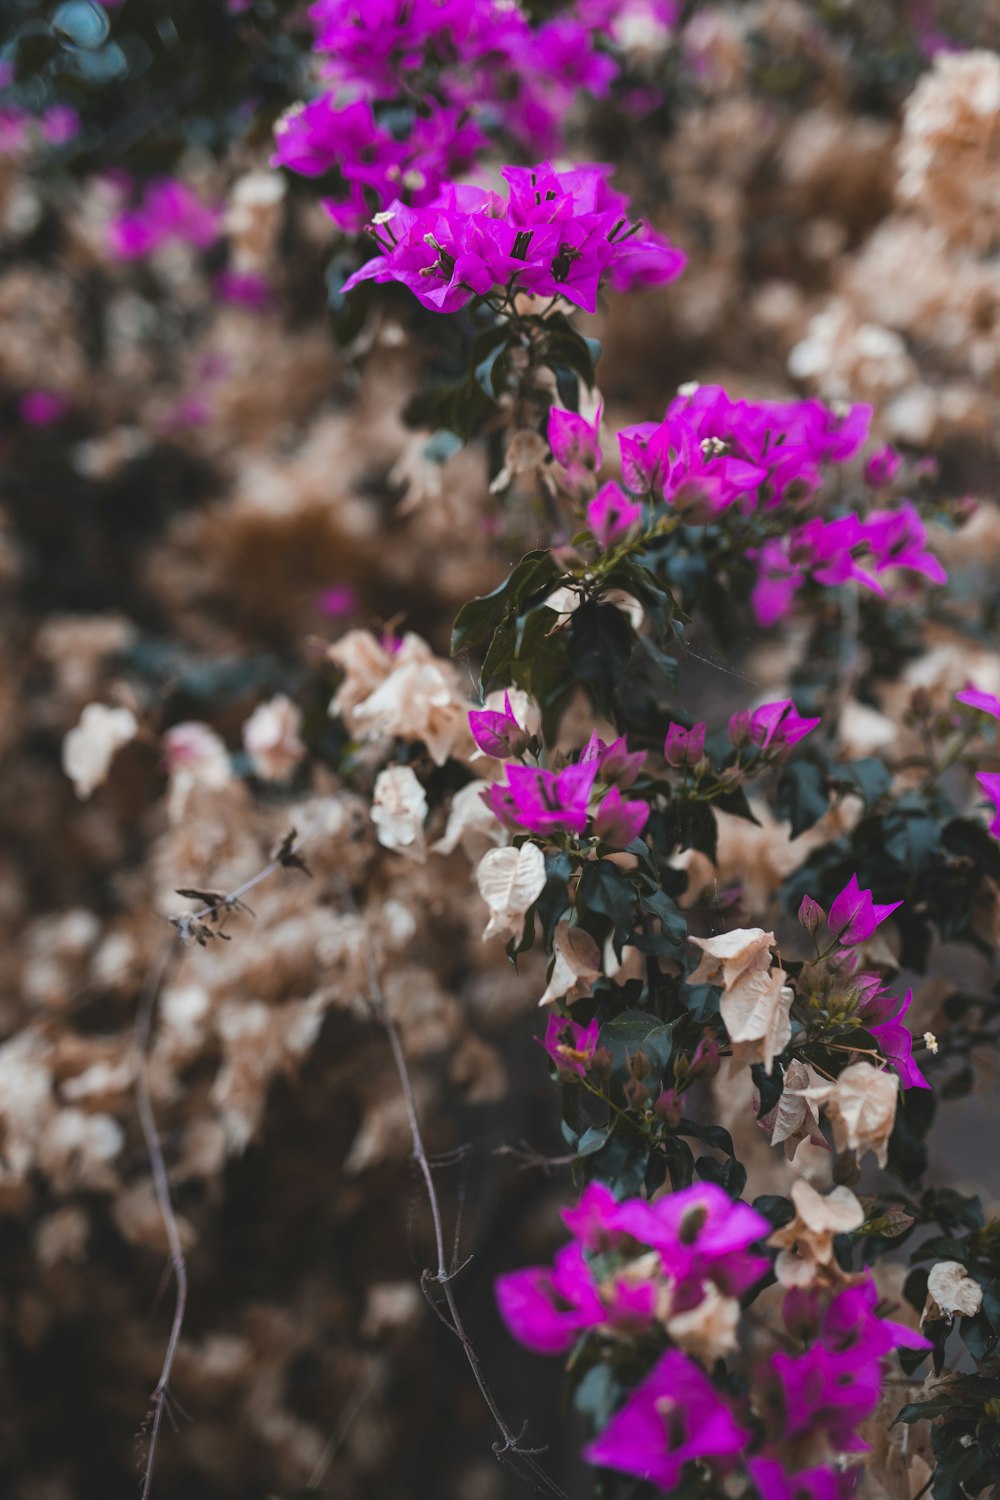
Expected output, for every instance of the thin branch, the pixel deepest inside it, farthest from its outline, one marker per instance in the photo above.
(191, 927)
(161, 1187)
(508, 1443)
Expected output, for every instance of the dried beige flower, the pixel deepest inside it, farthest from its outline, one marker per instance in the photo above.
(271, 738)
(472, 824)
(89, 749)
(861, 1105)
(730, 957)
(509, 881)
(794, 1118)
(399, 807)
(756, 1014)
(194, 756)
(951, 1293)
(805, 1245)
(756, 1001)
(418, 700)
(577, 964)
(709, 1330)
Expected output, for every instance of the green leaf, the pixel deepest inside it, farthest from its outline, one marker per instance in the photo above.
(476, 619)
(606, 892)
(869, 777)
(633, 1031)
(801, 795)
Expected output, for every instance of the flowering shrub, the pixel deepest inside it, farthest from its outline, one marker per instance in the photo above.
(684, 860)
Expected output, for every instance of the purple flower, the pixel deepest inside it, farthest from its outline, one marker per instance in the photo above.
(59, 124)
(245, 288)
(571, 1046)
(700, 1234)
(545, 1309)
(898, 539)
(773, 725)
(42, 408)
(674, 1417)
(596, 1221)
(618, 822)
(337, 601)
(611, 515)
(538, 801)
(973, 697)
(575, 443)
(169, 211)
(684, 747)
(882, 467)
(827, 1391)
(557, 234)
(990, 783)
(854, 916)
(852, 1329)
(498, 734)
(616, 763)
(645, 451)
(896, 1045)
(772, 1482)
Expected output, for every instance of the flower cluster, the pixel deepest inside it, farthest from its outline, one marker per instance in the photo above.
(419, 88)
(556, 234)
(169, 212)
(534, 800)
(711, 452)
(835, 551)
(815, 1402)
(681, 1261)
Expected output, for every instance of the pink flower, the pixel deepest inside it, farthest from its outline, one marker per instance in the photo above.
(772, 1483)
(615, 762)
(701, 1234)
(618, 822)
(596, 1221)
(337, 601)
(990, 783)
(538, 801)
(244, 288)
(42, 408)
(684, 747)
(169, 211)
(882, 467)
(645, 451)
(854, 916)
(676, 1416)
(545, 1309)
(611, 515)
(896, 1044)
(776, 725)
(973, 697)
(575, 443)
(498, 734)
(571, 1046)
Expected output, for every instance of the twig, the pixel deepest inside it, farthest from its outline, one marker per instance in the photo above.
(191, 927)
(508, 1442)
(161, 1187)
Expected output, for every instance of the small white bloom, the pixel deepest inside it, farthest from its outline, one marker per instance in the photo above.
(89, 749)
(271, 738)
(398, 812)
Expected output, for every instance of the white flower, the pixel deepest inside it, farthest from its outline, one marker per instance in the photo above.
(398, 812)
(861, 1105)
(193, 756)
(950, 1291)
(89, 749)
(271, 738)
(471, 823)
(577, 964)
(509, 881)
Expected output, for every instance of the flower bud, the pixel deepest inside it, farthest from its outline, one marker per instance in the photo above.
(811, 915)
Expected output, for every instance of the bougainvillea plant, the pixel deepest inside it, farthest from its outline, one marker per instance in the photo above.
(720, 1338)
(715, 1345)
